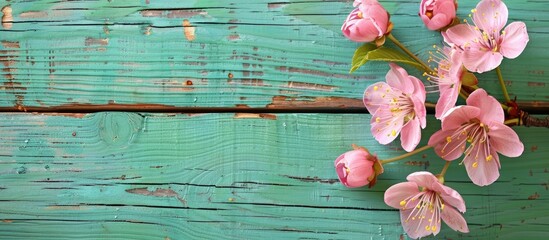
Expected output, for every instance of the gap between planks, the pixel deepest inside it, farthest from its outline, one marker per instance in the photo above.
(531, 108)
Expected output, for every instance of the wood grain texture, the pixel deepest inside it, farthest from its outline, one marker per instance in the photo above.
(207, 53)
(116, 175)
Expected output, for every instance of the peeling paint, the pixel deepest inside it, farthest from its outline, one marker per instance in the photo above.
(96, 41)
(310, 86)
(188, 30)
(33, 14)
(274, 5)
(534, 196)
(233, 37)
(159, 192)
(255, 115)
(71, 115)
(7, 17)
(65, 207)
(284, 102)
(179, 13)
(536, 84)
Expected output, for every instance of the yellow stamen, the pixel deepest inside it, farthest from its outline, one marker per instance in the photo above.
(475, 164)
(375, 88)
(393, 133)
(378, 119)
(347, 170)
(489, 158)
(402, 203)
(449, 139)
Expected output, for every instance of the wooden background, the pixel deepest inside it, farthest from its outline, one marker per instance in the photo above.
(207, 119)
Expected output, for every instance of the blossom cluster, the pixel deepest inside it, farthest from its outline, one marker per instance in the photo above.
(478, 130)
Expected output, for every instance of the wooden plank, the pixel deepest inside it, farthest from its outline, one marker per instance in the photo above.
(239, 53)
(120, 175)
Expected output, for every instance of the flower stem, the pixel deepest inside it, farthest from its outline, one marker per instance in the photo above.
(445, 168)
(403, 156)
(412, 55)
(514, 121)
(502, 83)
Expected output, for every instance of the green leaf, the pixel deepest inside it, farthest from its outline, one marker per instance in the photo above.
(369, 52)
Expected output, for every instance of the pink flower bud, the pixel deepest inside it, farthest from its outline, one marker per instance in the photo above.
(437, 14)
(357, 168)
(366, 23)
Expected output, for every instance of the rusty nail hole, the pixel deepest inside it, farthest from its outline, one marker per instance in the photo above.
(231, 75)
(189, 83)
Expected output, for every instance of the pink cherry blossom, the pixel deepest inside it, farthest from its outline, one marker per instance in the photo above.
(397, 107)
(422, 210)
(357, 168)
(447, 78)
(485, 44)
(366, 23)
(437, 14)
(480, 123)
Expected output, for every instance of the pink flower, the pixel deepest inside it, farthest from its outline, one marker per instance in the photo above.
(437, 14)
(357, 168)
(366, 23)
(447, 78)
(480, 123)
(485, 44)
(421, 210)
(397, 106)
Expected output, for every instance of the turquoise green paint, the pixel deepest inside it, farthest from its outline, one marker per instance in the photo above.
(61, 59)
(123, 175)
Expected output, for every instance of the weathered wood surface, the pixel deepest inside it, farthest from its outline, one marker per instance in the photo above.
(116, 175)
(67, 55)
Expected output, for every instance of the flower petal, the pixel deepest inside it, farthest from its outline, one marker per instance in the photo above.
(418, 227)
(490, 108)
(375, 96)
(482, 169)
(423, 179)
(504, 140)
(437, 22)
(419, 88)
(399, 192)
(460, 35)
(398, 78)
(478, 59)
(454, 220)
(447, 150)
(384, 126)
(459, 115)
(490, 15)
(447, 99)
(452, 197)
(359, 173)
(514, 40)
(410, 135)
(420, 111)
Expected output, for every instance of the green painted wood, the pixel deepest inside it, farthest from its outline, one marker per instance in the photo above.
(116, 175)
(244, 53)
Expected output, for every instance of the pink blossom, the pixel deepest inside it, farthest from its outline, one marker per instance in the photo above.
(366, 23)
(485, 44)
(397, 107)
(480, 123)
(448, 78)
(437, 14)
(357, 168)
(422, 210)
